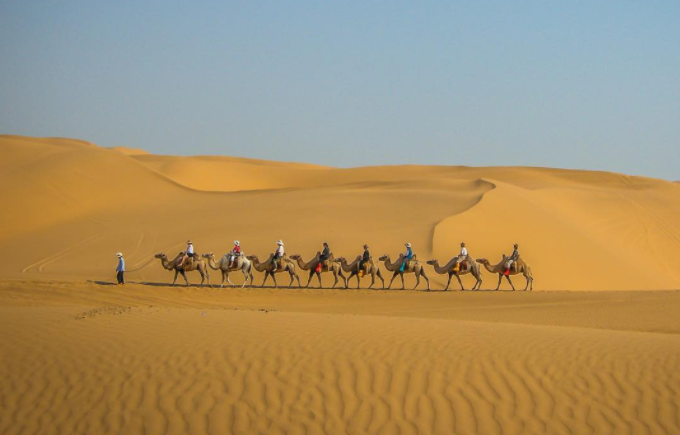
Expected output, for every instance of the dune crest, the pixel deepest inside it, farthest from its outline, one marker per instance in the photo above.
(74, 204)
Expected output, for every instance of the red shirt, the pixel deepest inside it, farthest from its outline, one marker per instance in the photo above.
(237, 249)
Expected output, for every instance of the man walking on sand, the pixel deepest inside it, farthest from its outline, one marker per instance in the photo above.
(120, 270)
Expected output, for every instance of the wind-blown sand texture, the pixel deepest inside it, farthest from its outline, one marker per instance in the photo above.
(81, 356)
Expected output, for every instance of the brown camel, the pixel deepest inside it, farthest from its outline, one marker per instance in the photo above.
(311, 266)
(191, 265)
(520, 267)
(242, 264)
(370, 268)
(285, 265)
(472, 268)
(412, 266)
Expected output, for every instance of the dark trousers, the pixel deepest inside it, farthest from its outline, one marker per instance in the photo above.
(120, 277)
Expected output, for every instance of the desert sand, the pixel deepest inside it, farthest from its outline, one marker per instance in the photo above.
(593, 349)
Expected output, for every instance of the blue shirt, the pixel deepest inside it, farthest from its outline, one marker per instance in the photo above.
(409, 253)
(121, 265)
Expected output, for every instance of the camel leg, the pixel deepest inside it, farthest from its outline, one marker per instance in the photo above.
(394, 275)
(223, 279)
(511, 284)
(318, 276)
(448, 282)
(500, 277)
(478, 284)
(276, 285)
(343, 277)
(290, 273)
(293, 274)
(311, 275)
(403, 286)
(427, 280)
(417, 280)
(229, 281)
(175, 280)
(245, 277)
(381, 278)
(460, 282)
(266, 275)
(184, 275)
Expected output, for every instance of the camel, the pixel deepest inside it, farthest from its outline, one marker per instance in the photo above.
(519, 267)
(194, 264)
(285, 265)
(413, 266)
(448, 269)
(370, 268)
(312, 265)
(242, 264)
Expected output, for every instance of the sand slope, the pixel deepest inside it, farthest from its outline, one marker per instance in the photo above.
(75, 204)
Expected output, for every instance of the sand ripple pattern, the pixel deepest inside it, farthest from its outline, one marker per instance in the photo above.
(247, 372)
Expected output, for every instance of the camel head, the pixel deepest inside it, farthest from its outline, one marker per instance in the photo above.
(339, 259)
(161, 255)
(384, 257)
(482, 261)
(431, 262)
(253, 258)
(295, 256)
(208, 255)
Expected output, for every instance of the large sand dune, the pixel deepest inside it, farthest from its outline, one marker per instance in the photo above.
(73, 204)
(79, 355)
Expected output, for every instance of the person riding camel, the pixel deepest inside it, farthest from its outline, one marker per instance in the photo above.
(234, 254)
(188, 253)
(461, 257)
(364, 259)
(278, 254)
(408, 255)
(512, 259)
(325, 255)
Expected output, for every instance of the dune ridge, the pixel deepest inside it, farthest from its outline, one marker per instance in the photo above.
(74, 204)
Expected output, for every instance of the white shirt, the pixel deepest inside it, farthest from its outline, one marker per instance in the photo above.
(463, 251)
(279, 251)
(190, 249)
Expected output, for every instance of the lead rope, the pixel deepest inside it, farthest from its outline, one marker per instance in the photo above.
(140, 268)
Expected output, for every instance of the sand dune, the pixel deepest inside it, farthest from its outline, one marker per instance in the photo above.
(74, 204)
(81, 356)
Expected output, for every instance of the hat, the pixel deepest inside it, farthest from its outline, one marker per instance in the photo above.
(408, 245)
(325, 243)
(119, 255)
(462, 243)
(516, 245)
(279, 242)
(237, 243)
(365, 246)
(189, 242)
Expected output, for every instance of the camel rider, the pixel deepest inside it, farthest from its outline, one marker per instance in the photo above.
(408, 255)
(188, 253)
(279, 253)
(325, 255)
(234, 254)
(364, 259)
(513, 259)
(461, 257)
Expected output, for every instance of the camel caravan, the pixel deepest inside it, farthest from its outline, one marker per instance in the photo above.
(325, 262)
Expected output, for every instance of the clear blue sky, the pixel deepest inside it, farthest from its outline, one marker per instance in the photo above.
(574, 84)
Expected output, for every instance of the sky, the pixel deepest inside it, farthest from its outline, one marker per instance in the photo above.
(568, 84)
